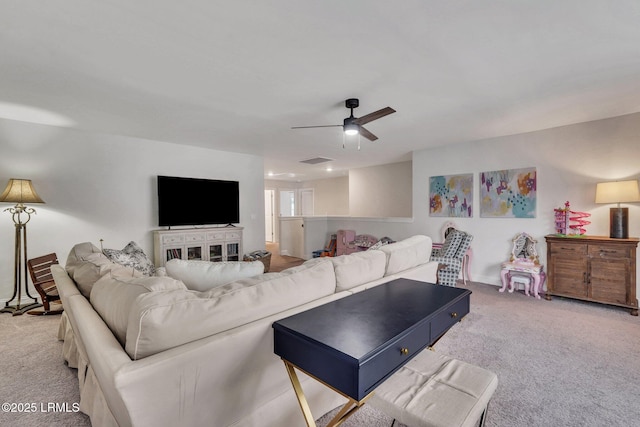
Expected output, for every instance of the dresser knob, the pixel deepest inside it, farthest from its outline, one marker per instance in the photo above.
(454, 315)
(404, 351)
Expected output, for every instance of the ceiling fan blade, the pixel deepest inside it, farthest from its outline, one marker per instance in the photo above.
(374, 116)
(367, 134)
(309, 127)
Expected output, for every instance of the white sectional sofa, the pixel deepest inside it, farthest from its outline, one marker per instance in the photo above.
(152, 352)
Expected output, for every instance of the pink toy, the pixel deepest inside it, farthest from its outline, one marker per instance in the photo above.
(563, 220)
(523, 266)
(522, 271)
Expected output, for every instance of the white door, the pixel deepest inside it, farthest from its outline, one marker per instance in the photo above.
(269, 216)
(287, 203)
(306, 201)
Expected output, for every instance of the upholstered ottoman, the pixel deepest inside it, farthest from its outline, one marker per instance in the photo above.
(434, 390)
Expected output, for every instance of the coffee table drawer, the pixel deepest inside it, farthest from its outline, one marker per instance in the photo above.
(449, 317)
(380, 365)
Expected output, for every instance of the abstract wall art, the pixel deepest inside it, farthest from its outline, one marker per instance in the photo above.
(508, 193)
(451, 195)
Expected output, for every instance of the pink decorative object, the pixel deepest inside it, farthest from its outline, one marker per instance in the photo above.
(570, 222)
(517, 270)
(523, 266)
(343, 240)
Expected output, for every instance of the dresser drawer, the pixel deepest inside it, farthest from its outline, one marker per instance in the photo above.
(449, 317)
(216, 235)
(193, 238)
(172, 240)
(232, 235)
(608, 251)
(569, 248)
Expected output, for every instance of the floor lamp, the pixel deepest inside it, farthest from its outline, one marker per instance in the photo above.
(20, 191)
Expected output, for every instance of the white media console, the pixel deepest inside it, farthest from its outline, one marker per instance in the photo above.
(213, 244)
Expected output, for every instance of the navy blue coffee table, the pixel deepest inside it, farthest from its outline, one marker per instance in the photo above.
(353, 344)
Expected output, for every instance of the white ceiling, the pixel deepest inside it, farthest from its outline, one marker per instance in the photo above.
(236, 75)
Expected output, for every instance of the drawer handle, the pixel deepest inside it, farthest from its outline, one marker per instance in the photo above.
(404, 351)
(454, 315)
(604, 253)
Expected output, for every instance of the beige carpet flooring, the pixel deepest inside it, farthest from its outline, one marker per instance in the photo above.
(559, 363)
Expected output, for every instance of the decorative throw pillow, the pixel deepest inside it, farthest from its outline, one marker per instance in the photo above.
(132, 256)
(377, 245)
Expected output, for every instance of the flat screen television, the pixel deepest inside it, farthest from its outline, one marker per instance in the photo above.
(194, 201)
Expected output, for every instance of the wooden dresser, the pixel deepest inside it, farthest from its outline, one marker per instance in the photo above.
(593, 268)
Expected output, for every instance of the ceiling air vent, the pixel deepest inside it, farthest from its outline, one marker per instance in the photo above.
(316, 160)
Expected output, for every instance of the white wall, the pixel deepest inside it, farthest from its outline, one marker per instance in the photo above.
(381, 191)
(331, 195)
(98, 186)
(570, 160)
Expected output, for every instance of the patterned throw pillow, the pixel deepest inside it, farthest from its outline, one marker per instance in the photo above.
(377, 245)
(132, 256)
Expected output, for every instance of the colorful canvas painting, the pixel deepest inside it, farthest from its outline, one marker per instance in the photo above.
(508, 193)
(451, 195)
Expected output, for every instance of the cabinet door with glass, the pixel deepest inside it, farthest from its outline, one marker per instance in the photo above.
(233, 251)
(215, 251)
(172, 253)
(194, 246)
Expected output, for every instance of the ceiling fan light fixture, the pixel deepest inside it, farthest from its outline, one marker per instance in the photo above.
(351, 129)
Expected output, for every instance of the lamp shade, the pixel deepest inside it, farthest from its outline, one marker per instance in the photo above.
(20, 191)
(618, 192)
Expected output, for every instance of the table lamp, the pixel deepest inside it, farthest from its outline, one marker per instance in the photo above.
(618, 192)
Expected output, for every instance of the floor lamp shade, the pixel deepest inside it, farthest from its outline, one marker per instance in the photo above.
(20, 191)
(618, 192)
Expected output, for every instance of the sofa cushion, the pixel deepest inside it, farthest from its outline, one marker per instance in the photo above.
(113, 296)
(86, 264)
(205, 275)
(358, 268)
(132, 255)
(162, 320)
(408, 253)
(77, 255)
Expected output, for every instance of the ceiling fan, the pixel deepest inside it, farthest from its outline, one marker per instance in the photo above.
(353, 125)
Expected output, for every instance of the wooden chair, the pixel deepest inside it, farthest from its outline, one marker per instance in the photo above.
(40, 272)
